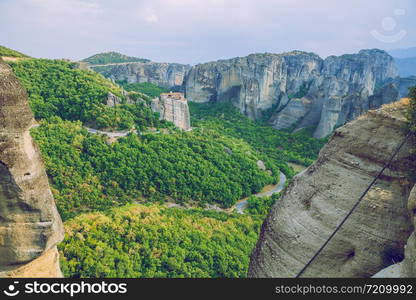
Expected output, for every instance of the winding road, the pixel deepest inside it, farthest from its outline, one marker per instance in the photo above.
(114, 134)
(241, 205)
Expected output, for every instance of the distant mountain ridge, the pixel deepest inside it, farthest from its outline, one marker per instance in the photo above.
(112, 58)
(403, 52)
(405, 59)
(406, 66)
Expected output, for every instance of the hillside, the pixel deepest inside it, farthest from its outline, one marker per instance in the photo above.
(188, 168)
(279, 146)
(58, 88)
(153, 241)
(112, 58)
(4, 51)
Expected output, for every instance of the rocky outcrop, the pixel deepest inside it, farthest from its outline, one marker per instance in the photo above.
(113, 100)
(317, 200)
(408, 266)
(30, 226)
(173, 107)
(163, 74)
(300, 88)
(395, 89)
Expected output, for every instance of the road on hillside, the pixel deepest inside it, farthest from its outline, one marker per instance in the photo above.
(111, 134)
(240, 206)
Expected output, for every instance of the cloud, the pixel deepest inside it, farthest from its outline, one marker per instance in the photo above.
(152, 18)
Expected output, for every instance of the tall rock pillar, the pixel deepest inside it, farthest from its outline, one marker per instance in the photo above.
(30, 226)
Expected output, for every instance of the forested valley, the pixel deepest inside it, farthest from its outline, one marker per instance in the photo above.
(112, 194)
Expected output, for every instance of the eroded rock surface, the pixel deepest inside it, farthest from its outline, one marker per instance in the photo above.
(30, 225)
(317, 200)
(408, 266)
(173, 107)
(162, 74)
(300, 88)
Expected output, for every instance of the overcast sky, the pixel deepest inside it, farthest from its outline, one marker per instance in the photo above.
(192, 31)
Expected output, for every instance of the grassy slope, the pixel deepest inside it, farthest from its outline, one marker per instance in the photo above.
(4, 51)
(112, 57)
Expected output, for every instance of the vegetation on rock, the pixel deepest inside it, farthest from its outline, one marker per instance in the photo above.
(57, 88)
(4, 51)
(147, 88)
(111, 58)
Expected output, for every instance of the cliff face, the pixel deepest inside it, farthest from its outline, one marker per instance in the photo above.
(162, 74)
(408, 266)
(30, 226)
(318, 199)
(301, 88)
(173, 107)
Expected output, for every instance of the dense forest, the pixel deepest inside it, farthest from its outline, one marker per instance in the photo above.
(279, 146)
(154, 241)
(150, 89)
(112, 58)
(198, 167)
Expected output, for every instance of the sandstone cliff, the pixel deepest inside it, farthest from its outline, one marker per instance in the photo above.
(30, 226)
(319, 198)
(173, 107)
(162, 74)
(299, 87)
(408, 266)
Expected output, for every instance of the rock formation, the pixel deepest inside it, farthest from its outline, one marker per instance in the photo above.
(163, 74)
(173, 107)
(30, 226)
(408, 266)
(317, 200)
(300, 88)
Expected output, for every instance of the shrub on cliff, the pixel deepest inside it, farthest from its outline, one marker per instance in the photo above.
(150, 89)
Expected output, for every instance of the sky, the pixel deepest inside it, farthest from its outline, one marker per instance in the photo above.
(196, 31)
